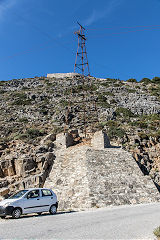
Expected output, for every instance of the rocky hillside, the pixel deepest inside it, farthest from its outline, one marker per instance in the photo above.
(31, 109)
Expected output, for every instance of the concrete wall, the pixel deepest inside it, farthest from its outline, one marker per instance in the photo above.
(61, 75)
(100, 140)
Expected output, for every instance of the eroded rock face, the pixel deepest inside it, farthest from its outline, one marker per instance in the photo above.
(147, 154)
(24, 165)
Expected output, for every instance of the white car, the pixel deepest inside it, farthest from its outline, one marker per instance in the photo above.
(34, 200)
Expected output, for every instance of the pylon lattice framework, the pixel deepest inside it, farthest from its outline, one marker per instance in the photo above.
(82, 67)
(81, 63)
(85, 105)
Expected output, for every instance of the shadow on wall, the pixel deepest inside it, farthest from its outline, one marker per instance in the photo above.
(157, 186)
(46, 173)
(146, 173)
(114, 146)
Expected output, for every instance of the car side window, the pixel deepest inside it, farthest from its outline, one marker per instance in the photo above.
(33, 194)
(46, 193)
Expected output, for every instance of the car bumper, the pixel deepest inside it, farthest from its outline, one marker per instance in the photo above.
(4, 211)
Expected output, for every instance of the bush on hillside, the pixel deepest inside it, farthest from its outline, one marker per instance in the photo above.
(156, 80)
(143, 135)
(112, 80)
(116, 132)
(2, 83)
(133, 80)
(157, 232)
(145, 80)
(125, 112)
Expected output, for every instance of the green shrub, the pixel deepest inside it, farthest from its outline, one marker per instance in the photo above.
(131, 90)
(64, 103)
(154, 91)
(141, 124)
(116, 132)
(155, 134)
(68, 91)
(2, 83)
(21, 99)
(151, 117)
(22, 102)
(109, 94)
(80, 88)
(46, 81)
(101, 97)
(109, 123)
(125, 112)
(157, 232)
(143, 135)
(156, 80)
(30, 133)
(112, 123)
(105, 84)
(112, 101)
(145, 80)
(111, 80)
(104, 104)
(19, 95)
(102, 101)
(25, 88)
(102, 124)
(21, 136)
(57, 130)
(34, 133)
(133, 80)
(2, 91)
(23, 120)
(118, 85)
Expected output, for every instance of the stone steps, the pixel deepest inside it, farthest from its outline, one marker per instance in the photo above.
(83, 177)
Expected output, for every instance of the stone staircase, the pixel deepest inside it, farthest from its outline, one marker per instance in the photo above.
(84, 177)
(115, 179)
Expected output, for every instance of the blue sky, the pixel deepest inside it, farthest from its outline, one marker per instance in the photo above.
(37, 37)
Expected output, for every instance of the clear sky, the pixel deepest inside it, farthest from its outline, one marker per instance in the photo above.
(37, 37)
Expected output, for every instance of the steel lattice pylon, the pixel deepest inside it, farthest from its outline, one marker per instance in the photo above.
(85, 104)
(81, 63)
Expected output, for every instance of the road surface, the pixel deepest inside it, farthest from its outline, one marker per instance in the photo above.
(124, 222)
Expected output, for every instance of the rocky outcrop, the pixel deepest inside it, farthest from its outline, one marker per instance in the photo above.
(25, 165)
(146, 152)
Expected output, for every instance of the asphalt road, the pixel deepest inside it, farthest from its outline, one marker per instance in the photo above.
(124, 222)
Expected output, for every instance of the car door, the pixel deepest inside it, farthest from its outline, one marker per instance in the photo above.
(47, 199)
(31, 202)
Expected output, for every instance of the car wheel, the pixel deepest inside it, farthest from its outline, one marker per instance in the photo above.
(16, 213)
(53, 209)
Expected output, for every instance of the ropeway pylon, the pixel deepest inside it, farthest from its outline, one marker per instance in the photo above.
(81, 63)
(85, 106)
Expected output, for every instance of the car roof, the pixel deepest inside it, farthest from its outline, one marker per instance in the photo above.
(30, 189)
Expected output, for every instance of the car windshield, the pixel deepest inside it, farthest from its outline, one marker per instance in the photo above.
(18, 195)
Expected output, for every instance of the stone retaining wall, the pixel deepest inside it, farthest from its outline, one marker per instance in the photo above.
(83, 177)
(62, 75)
